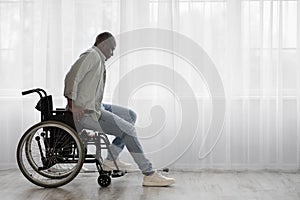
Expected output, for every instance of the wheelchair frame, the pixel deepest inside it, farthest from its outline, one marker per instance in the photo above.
(56, 142)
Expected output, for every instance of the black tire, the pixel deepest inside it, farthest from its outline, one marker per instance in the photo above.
(65, 152)
(104, 180)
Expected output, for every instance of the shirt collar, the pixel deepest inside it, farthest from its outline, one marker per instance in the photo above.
(100, 53)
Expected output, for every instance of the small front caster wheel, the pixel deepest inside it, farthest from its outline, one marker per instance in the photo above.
(104, 180)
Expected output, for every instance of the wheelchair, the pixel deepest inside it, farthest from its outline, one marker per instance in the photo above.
(51, 153)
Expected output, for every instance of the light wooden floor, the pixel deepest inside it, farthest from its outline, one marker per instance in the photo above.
(204, 185)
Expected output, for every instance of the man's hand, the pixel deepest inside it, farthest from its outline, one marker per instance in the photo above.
(77, 111)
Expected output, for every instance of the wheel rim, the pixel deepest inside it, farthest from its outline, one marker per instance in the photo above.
(59, 173)
(29, 157)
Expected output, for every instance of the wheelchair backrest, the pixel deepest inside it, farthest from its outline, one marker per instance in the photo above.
(45, 106)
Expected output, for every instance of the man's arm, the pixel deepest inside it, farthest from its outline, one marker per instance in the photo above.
(77, 111)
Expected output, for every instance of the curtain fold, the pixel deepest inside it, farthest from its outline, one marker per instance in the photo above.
(253, 46)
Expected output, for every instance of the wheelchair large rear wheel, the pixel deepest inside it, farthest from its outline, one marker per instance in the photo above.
(50, 154)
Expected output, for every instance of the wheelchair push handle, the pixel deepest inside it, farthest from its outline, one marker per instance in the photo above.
(37, 90)
(28, 92)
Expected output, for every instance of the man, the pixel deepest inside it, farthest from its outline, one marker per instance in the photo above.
(84, 87)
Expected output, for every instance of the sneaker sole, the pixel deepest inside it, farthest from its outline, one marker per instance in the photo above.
(152, 184)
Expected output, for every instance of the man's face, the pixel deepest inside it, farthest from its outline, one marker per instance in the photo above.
(108, 48)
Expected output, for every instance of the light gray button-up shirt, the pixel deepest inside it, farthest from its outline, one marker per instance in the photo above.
(85, 81)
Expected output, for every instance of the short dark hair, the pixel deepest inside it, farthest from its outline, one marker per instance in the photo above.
(102, 37)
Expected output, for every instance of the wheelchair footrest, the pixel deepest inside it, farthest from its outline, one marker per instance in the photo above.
(117, 173)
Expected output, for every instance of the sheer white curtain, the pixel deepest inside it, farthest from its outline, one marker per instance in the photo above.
(253, 45)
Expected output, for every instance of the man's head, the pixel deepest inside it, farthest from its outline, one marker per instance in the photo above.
(106, 43)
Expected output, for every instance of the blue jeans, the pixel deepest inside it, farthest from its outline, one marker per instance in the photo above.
(117, 144)
(119, 121)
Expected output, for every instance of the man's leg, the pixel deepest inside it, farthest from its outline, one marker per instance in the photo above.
(112, 124)
(126, 114)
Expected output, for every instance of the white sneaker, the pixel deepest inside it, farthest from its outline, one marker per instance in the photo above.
(110, 165)
(157, 180)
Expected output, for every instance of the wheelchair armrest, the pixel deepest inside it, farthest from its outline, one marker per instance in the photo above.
(61, 109)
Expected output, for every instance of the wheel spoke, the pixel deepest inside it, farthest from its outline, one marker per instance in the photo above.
(57, 151)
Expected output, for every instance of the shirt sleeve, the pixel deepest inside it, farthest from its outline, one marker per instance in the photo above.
(77, 72)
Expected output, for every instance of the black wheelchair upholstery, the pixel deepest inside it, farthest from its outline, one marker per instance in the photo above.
(45, 106)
